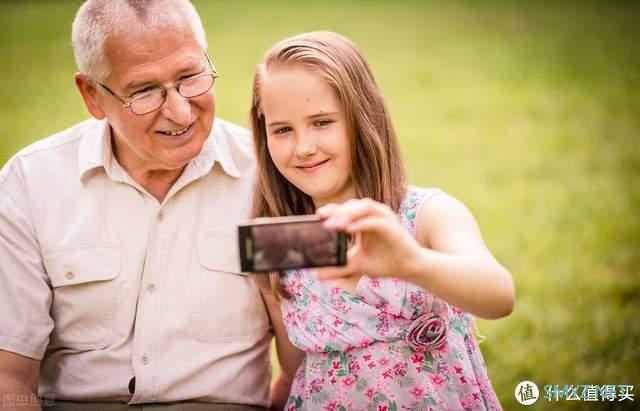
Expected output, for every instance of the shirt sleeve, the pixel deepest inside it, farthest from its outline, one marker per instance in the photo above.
(25, 293)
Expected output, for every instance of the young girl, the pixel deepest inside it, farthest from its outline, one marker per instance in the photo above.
(391, 329)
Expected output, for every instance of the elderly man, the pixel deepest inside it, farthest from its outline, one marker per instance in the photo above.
(119, 279)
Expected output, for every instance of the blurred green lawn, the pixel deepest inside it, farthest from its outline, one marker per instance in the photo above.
(527, 111)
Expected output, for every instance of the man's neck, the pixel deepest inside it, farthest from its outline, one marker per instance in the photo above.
(157, 182)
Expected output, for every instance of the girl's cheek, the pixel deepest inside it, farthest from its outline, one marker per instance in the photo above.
(279, 153)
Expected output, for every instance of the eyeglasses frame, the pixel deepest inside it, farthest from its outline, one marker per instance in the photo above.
(127, 101)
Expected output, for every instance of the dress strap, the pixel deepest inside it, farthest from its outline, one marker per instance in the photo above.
(412, 203)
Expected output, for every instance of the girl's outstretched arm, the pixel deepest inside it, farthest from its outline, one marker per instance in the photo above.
(289, 356)
(448, 257)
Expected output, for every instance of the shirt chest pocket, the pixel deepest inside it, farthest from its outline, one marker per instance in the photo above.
(85, 291)
(225, 303)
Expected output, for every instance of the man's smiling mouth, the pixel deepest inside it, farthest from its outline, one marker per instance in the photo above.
(174, 133)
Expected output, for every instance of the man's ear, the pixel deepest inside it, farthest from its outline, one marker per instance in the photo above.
(89, 93)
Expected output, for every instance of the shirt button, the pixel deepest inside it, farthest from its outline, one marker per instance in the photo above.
(160, 216)
(145, 359)
(69, 275)
(151, 287)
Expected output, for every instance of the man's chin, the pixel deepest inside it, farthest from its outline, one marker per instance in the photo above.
(179, 157)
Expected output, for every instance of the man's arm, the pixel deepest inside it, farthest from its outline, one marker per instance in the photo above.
(289, 356)
(25, 296)
(18, 382)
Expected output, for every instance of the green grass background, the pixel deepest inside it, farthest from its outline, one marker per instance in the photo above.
(529, 112)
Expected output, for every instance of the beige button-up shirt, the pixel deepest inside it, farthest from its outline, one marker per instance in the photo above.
(103, 283)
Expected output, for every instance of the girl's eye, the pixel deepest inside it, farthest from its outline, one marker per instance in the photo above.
(282, 130)
(322, 123)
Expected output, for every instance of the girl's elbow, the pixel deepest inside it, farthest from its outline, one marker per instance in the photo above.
(508, 300)
(509, 305)
(501, 310)
(503, 301)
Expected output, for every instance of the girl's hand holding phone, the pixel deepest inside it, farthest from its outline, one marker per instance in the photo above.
(381, 246)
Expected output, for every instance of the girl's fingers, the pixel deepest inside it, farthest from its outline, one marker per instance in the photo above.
(326, 210)
(374, 224)
(341, 216)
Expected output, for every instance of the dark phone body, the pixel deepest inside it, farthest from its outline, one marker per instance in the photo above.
(286, 243)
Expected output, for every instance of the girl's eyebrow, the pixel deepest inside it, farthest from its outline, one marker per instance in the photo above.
(323, 114)
(310, 117)
(277, 123)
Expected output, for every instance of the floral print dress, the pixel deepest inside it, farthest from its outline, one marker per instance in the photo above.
(390, 346)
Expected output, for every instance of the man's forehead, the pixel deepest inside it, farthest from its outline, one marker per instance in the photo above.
(150, 56)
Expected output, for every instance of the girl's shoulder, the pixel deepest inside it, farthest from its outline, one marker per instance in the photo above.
(430, 213)
(413, 200)
(415, 196)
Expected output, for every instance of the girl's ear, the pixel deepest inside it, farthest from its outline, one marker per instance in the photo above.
(90, 95)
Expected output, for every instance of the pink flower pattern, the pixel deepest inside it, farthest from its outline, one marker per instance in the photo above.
(359, 355)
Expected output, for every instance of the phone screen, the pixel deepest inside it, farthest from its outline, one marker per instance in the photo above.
(284, 243)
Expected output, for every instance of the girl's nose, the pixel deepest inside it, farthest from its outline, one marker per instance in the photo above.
(306, 145)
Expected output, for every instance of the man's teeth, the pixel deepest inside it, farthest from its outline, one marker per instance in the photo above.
(175, 132)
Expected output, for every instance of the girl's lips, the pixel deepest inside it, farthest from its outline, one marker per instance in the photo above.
(312, 167)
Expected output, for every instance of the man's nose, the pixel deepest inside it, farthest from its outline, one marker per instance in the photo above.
(177, 108)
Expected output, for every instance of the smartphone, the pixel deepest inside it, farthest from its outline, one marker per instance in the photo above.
(285, 243)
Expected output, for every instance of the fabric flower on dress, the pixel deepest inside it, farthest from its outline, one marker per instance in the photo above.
(427, 332)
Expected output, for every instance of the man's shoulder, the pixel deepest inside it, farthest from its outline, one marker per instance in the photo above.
(44, 153)
(236, 136)
(68, 136)
(238, 140)
(232, 128)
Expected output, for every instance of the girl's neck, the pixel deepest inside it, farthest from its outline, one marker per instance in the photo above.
(337, 199)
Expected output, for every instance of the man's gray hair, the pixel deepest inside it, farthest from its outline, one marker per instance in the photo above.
(96, 20)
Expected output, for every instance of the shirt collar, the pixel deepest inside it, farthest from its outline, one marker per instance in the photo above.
(216, 148)
(96, 152)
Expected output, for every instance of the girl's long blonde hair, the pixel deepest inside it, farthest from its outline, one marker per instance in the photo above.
(377, 170)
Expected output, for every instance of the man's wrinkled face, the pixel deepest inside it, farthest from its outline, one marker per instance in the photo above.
(169, 137)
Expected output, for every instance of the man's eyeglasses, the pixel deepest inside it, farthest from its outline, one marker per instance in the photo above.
(153, 99)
